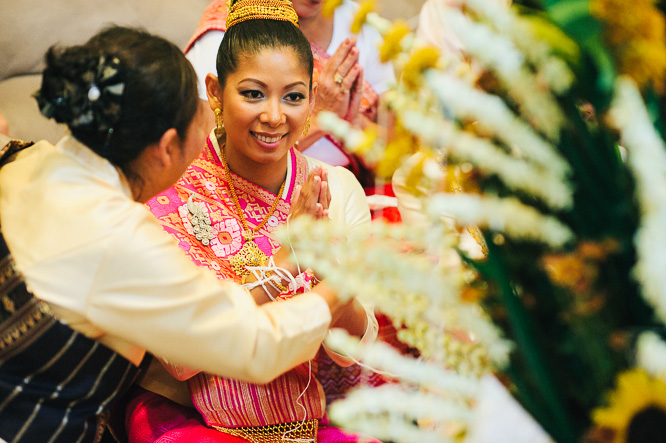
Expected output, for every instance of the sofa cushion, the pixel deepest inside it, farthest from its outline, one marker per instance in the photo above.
(30, 27)
(22, 113)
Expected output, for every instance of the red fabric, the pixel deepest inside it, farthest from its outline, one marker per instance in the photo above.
(389, 214)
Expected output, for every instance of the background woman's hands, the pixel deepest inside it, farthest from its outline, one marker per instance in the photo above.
(338, 87)
(338, 79)
(353, 114)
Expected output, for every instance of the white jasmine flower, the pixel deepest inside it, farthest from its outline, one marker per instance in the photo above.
(398, 269)
(498, 53)
(507, 215)
(390, 412)
(505, 21)
(493, 115)
(380, 356)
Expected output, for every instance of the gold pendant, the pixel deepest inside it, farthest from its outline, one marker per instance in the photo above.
(249, 255)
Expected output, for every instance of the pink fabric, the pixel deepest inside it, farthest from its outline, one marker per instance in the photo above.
(152, 418)
(229, 403)
(206, 179)
(332, 434)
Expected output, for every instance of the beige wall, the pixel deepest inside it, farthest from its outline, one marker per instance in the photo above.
(404, 9)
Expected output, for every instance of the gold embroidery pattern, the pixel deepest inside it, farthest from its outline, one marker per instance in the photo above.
(28, 317)
(282, 432)
(9, 279)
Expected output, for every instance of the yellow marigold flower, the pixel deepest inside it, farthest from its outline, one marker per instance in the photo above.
(556, 38)
(636, 34)
(391, 46)
(421, 59)
(359, 19)
(598, 251)
(569, 271)
(330, 6)
(452, 178)
(368, 140)
(471, 294)
(401, 146)
(636, 392)
(645, 62)
(414, 177)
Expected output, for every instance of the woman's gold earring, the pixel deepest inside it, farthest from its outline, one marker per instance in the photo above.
(219, 123)
(306, 129)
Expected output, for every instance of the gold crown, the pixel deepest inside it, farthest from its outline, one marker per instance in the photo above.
(261, 9)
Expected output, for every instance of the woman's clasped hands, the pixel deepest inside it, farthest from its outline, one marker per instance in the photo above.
(340, 85)
(312, 197)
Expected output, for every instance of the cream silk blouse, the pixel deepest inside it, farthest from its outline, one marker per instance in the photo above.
(107, 268)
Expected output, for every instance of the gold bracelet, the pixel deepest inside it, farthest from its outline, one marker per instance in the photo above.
(281, 287)
(276, 285)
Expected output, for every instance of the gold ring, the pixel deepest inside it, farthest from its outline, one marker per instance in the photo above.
(337, 78)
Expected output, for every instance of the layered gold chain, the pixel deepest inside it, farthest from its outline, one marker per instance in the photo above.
(250, 254)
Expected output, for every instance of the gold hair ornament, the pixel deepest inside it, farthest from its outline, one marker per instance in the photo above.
(257, 9)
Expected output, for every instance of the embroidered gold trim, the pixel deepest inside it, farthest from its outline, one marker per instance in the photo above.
(23, 323)
(9, 276)
(282, 432)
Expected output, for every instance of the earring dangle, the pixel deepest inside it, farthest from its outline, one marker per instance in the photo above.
(306, 129)
(219, 123)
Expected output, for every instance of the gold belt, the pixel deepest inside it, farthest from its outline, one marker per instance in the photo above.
(282, 432)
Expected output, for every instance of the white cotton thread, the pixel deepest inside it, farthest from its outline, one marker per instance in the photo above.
(262, 277)
(298, 402)
(291, 246)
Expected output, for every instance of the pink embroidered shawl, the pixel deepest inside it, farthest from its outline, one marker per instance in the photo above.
(221, 401)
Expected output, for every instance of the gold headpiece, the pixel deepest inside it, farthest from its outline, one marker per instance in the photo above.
(261, 9)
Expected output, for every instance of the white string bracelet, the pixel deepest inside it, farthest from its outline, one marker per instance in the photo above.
(270, 274)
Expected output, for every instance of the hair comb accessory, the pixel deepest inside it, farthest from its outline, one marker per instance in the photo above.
(243, 10)
(93, 102)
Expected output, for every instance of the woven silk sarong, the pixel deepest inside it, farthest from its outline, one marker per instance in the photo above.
(226, 402)
(56, 385)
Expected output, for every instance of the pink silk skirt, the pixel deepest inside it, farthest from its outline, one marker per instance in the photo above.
(151, 418)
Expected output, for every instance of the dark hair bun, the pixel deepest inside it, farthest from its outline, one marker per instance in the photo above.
(85, 95)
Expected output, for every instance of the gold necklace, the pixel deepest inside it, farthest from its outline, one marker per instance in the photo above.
(249, 254)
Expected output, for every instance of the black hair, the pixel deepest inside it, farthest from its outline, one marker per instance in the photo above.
(252, 36)
(120, 91)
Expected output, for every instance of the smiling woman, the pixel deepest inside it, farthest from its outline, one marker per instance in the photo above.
(265, 104)
(223, 212)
